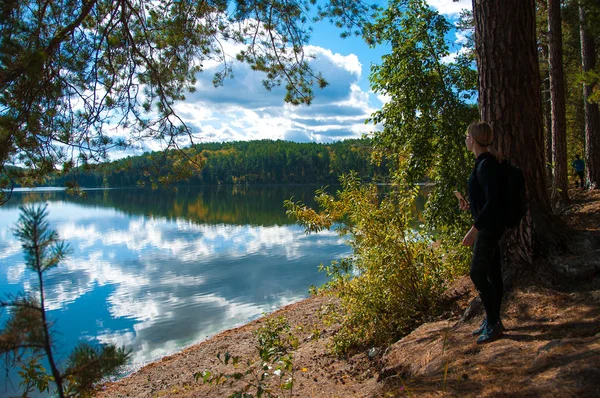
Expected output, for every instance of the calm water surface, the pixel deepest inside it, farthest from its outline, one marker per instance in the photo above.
(157, 271)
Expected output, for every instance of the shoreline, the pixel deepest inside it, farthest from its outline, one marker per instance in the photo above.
(239, 341)
(550, 348)
(197, 344)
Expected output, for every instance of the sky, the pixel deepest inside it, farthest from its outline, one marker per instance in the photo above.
(243, 110)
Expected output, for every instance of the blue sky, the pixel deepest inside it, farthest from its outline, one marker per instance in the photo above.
(243, 110)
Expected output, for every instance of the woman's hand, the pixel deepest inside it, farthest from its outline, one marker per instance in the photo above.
(470, 237)
(464, 205)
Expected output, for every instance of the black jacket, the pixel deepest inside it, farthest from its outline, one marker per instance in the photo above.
(484, 192)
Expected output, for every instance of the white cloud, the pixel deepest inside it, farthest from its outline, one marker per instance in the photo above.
(460, 42)
(242, 109)
(9, 248)
(233, 314)
(15, 273)
(349, 62)
(462, 37)
(172, 282)
(148, 241)
(450, 7)
(384, 98)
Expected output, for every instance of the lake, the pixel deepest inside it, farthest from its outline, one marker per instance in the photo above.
(159, 270)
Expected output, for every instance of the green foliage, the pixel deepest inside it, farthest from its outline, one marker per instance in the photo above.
(245, 162)
(572, 71)
(167, 168)
(69, 69)
(275, 338)
(592, 78)
(431, 104)
(592, 14)
(34, 376)
(394, 276)
(43, 249)
(574, 78)
(272, 375)
(24, 326)
(26, 335)
(88, 364)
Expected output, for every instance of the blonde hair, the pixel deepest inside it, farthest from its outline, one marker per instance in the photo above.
(482, 134)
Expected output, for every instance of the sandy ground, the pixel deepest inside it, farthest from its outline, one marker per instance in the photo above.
(551, 348)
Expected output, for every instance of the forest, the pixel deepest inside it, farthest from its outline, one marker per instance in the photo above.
(531, 66)
(242, 162)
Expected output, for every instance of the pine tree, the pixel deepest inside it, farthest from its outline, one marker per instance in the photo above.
(592, 111)
(27, 336)
(510, 100)
(69, 69)
(557, 99)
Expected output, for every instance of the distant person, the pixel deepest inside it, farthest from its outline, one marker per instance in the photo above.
(579, 167)
(487, 229)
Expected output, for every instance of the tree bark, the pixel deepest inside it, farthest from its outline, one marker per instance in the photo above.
(560, 193)
(542, 39)
(546, 109)
(592, 114)
(547, 131)
(510, 100)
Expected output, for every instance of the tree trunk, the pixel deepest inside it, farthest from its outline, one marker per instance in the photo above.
(510, 100)
(542, 38)
(547, 131)
(546, 109)
(592, 114)
(560, 193)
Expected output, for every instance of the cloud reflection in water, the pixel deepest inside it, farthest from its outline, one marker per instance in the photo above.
(157, 284)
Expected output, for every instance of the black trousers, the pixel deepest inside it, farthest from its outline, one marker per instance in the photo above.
(486, 271)
(580, 175)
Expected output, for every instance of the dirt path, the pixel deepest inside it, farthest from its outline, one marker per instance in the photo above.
(551, 348)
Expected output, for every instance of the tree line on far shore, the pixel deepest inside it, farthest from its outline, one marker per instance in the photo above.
(241, 162)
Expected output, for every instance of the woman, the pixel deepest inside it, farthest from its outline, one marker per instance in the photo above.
(485, 234)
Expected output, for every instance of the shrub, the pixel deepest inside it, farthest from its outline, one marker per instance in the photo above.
(274, 374)
(275, 338)
(395, 276)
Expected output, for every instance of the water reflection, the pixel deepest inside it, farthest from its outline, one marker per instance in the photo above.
(158, 271)
(240, 205)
